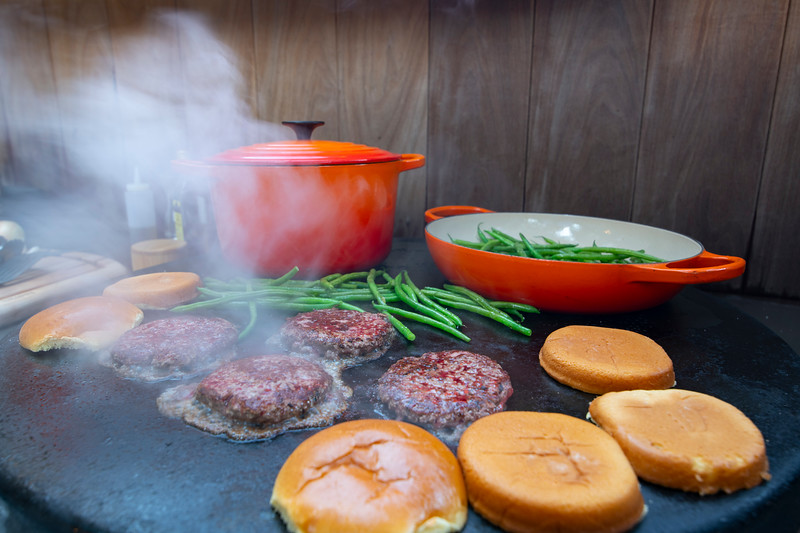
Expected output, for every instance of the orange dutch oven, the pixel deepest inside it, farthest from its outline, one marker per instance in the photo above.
(324, 206)
(571, 287)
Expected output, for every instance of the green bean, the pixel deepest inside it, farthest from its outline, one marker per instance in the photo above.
(490, 245)
(472, 295)
(529, 245)
(457, 298)
(422, 297)
(399, 326)
(639, 254)
(346, 277)
(286, 277)
(432, 291)
(482, 235)
(431, 306)
(251, 305)
(515, 306)
(406, 289)
(501, 317)
(301, 307)
(506, 239)
(422, 318)
(373, 287)
(209, 303)
(497, 241)
(403, 291)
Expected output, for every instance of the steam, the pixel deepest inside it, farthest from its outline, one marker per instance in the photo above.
(136, 98)
(165, 86)
(88, 103)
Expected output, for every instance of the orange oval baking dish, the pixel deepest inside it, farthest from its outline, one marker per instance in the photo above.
(571, 287)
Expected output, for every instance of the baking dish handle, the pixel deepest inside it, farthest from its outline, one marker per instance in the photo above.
(705, 267)
(409, 161)
(443, 211)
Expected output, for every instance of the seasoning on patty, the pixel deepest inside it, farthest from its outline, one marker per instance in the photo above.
(345, 336)
(445, 389)
(174, 347)
(258, 397)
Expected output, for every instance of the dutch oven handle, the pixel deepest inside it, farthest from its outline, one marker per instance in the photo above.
(409, 161)
(303, 128)
(705, 267)
(435, 213)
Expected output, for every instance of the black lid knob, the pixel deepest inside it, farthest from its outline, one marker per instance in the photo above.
(303, 128)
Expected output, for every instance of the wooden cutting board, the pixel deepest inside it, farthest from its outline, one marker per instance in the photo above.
(54, 279)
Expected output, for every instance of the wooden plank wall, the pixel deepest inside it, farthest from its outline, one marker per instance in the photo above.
(683, 114)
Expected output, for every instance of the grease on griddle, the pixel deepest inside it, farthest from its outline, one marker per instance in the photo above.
(275, 382)
(173, 348)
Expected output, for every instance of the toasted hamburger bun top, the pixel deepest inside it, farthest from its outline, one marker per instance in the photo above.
(684, 440)
(598, 360)
(159, 290)
(371, 475)
(92, 323)
(537, 472)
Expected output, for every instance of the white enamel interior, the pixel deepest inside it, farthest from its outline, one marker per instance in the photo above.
(571, 229)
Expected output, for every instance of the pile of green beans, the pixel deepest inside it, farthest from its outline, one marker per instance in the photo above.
(494, 240)
(397, 297)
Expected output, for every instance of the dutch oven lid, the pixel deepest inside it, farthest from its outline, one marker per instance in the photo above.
(303, 151)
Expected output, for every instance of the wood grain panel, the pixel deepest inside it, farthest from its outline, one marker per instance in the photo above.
(217, 48)
(480, 56)
(295, 62)
(775, 253)
(83, 74)
(383, 73)
(711, 79)
(512, 108)
(149, 85)
(589, 64)
(34, 157)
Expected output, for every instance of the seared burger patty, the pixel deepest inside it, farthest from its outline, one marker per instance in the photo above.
(173, 347)
(338, 334)
(445, 389)
(264, 389)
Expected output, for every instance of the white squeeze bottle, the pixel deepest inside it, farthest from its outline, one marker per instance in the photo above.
(141, 209)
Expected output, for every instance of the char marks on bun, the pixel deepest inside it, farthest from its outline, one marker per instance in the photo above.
(548, 472)
(598, 360)
(371, 475)
(259, 397)
(174, 347)
(159, 290)
(684, 440)
(89, 323)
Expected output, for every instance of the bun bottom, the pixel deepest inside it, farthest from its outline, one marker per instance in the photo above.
(92, 323)
(159, 290)
(371, 475)
(684, 440)
(598, 360)
(548, 472)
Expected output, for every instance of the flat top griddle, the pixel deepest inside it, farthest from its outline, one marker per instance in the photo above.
(84, 450)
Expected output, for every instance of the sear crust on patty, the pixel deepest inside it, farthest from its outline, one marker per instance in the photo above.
(341, 335)
(445, 389)
(174, 347)
(264, 389)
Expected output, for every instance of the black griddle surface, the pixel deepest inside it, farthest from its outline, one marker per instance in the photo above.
(84, 450)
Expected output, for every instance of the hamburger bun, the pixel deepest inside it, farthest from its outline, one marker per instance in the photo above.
(548, 472)
(371, 475)
(684, 440)
(598, 360)
(160, 290)
(91, 323)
